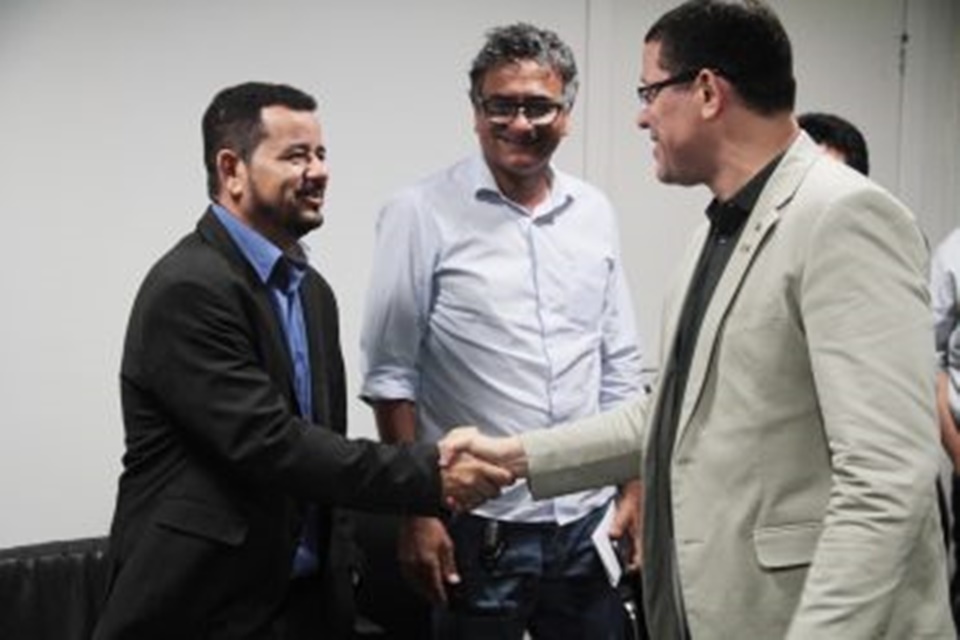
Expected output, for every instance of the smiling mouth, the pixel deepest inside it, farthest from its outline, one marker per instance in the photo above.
(528, 140)
(311, 190)
(313, 199)
(522, 147)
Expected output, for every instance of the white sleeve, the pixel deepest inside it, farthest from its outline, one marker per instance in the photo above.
(621, 376)
(943, 299)
(399, 298)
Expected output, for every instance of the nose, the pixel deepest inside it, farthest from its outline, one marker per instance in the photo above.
(317, 168)
(643, 117)
(521, 121)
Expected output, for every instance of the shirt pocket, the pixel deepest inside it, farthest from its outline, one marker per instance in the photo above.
(588, 285)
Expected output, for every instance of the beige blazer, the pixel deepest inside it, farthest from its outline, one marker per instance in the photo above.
(804, 466)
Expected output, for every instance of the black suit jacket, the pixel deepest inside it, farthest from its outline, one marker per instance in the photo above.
(218, 466)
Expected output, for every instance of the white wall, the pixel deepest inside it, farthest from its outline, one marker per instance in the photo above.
(100, 170)
(929, 171)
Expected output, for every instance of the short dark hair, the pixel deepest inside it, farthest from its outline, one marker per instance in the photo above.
(742, 40)
(522, 41)
(835, 132)
(233, 121)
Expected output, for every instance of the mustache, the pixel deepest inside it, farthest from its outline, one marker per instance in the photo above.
(527, 139)
(310, 188)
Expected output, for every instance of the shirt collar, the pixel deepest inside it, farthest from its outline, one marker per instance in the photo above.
(485, 188)
(728, 217)
(262, 254)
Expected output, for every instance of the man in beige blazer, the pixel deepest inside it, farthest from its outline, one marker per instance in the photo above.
(789, 449)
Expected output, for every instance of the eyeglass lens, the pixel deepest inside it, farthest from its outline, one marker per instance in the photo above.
(648, 93)
(536, 112)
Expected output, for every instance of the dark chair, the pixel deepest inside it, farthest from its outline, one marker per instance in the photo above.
(51, 591)
(54, 590)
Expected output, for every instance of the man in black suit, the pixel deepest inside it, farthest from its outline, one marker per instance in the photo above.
(234, 409)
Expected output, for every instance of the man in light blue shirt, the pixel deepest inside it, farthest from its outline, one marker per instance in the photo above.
(498, 298)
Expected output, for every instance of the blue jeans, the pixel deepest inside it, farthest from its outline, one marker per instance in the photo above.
(536, 577)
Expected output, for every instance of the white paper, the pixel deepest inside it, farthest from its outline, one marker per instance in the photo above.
(605, 548)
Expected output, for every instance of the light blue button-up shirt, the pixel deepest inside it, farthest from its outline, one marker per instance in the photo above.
(482, 312)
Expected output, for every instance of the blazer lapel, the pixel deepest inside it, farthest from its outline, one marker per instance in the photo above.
(313, 318)
(277, 354)
(778, 192)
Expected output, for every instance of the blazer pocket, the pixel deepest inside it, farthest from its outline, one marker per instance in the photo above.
(201, 520)
(786, 546)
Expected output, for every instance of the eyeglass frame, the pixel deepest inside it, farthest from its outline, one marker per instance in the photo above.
(648, 93)
(520, 106)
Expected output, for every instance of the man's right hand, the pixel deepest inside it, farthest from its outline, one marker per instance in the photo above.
(504, 451)
(468, 481)
(425, 552)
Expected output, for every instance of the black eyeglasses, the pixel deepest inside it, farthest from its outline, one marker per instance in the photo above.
(649, 92)
(538, 112)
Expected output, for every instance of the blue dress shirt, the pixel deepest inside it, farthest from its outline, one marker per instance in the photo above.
(282, 275)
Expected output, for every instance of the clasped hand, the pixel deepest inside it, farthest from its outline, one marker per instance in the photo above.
(474, 467)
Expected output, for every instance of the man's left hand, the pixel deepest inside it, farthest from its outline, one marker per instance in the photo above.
(628, 524)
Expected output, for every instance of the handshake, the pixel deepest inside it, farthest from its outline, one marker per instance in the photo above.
(474, 467)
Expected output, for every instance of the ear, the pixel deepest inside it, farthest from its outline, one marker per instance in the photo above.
(712, 92)
(232, 172)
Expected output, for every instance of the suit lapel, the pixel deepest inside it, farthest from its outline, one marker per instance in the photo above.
(778, 192)
(313, 318)
(277, 351)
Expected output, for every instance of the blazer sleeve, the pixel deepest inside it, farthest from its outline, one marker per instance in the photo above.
(595, 452)
(864, 306)
(204, 352)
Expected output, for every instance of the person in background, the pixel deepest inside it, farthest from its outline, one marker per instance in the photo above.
(839, 138)
(498, 297)
(789, 448)
(234, 410)
(945, 300)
